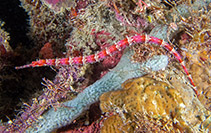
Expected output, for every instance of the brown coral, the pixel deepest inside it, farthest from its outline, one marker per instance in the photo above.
(162, 107)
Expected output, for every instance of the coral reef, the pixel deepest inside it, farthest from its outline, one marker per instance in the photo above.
(5, 48)
(13, 90)
(95, 24)
(158, 102)
(46, 26)
(5, 75)
(202, 77)
(196, 40)
(85, 27)
(59, 6)
(72, 109)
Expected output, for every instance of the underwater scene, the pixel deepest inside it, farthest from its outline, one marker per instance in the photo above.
(105, 66)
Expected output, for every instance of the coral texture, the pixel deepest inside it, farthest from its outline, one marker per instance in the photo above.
(201, 74)
(158, 102)
(59, 6)
(45, 25)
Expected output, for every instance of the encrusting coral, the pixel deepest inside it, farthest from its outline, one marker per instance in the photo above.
(158, 103)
